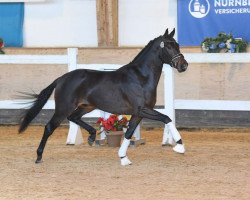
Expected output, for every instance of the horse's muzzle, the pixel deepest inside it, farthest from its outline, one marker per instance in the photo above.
(182, 66)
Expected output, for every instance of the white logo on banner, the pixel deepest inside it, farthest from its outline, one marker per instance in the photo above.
(197, 9)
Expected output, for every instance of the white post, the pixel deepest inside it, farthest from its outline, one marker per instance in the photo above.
(74, 135)
(169, 92)
(105, 115)
(137, 133)
(169, 108)
(72, 58)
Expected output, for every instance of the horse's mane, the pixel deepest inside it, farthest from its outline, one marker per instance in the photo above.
(143, 51)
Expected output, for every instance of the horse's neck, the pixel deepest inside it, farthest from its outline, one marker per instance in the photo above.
(148, 62)
(151, 58)
(142, 53)
(150, 65)
(147, 54)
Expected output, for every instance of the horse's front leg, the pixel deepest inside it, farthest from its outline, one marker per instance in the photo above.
(133, 123)
(155, 115)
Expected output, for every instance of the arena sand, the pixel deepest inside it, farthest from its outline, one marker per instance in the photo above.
(215, 166)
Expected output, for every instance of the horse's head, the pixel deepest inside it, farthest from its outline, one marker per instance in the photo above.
(171, 52)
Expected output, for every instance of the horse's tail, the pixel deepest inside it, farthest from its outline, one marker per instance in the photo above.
(39, 102)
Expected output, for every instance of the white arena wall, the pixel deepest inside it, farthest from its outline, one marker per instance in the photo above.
(72, 23)
(60, 23)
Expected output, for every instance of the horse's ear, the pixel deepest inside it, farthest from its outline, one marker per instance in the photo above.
(166, 33)
(172, 33)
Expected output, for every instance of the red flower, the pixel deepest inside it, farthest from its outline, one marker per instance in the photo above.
(107, 126)
(124, 121)
(100, 120)
(112, 123)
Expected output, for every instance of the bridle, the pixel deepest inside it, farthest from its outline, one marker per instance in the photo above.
(175, 57)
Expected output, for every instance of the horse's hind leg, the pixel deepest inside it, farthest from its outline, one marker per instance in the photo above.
(76, 118)
(48, 130)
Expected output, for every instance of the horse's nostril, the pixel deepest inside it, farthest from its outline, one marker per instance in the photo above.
(184, 66)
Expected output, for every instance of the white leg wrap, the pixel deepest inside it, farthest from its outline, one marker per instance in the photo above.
(123, 151)
(124, 147)
(173, 131)
(178, 148)
(167, 137)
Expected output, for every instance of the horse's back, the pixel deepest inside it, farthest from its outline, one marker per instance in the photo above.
(79, 85)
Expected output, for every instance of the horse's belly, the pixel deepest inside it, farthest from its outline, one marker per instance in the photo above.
(110, 101)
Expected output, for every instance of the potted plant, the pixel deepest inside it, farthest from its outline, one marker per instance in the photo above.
(113, 127)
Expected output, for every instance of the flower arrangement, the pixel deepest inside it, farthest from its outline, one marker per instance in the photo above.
(113, 123)
(224, 43)
(1, 46)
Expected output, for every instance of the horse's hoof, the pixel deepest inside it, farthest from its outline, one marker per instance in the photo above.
(125, 161)
(90, 142)
(179, 148)
(38, 161)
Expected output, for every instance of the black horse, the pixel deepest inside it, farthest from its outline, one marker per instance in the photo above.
(130, 90)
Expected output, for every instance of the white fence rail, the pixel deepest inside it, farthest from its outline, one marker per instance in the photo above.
(170, 103)
(214, 104)
(71, 60)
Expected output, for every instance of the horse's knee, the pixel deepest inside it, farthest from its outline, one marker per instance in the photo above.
(128, 135)
(167, 120)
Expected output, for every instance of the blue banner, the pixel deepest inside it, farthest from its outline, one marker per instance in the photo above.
(11, 24)
(198, 19)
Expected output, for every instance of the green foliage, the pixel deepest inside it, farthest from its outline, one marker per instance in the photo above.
(224, 43)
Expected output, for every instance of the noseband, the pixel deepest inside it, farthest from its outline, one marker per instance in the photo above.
(175, 57)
